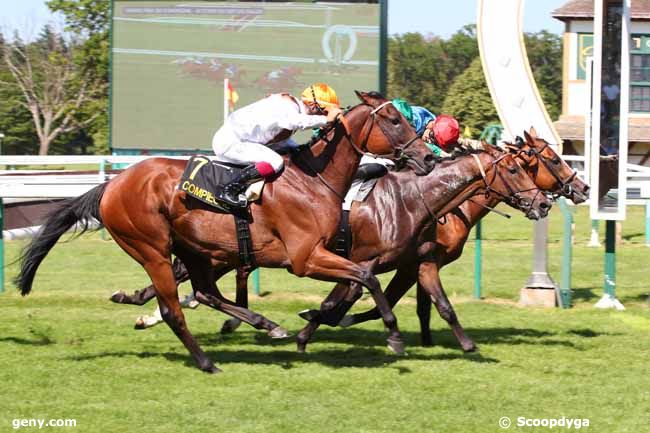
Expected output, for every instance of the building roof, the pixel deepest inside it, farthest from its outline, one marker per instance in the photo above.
(584, 9)
(573, 128)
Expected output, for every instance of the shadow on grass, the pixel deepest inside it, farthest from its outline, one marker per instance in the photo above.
(40, 341)
(374, 338)
(356, 357)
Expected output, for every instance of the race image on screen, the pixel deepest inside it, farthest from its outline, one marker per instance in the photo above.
(170, 59)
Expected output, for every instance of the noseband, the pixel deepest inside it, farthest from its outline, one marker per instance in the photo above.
(564, 189)
(513, 197)
(399, 150)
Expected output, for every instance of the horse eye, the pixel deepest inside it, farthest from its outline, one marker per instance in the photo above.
(556, 161)
(513, 170)
(395, 121)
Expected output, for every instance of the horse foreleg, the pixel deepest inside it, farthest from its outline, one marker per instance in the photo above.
(332, 309)
(429, 280)
(400, 284)
(207, 293)
(241, 299)
(325, 265)
(424, 315)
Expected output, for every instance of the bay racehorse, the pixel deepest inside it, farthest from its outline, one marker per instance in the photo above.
(549, 172)
(291, 226)
(396, 225)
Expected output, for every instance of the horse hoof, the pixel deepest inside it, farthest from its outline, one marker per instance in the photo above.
(469, 348)
(118, 297)
(213, 369)
(139, 324)
(301, 347)
(346, 321)
(396, 345)
(309, 315)
(230, 325)
(278, 332)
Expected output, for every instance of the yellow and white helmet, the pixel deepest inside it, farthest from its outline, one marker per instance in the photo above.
(320, 94)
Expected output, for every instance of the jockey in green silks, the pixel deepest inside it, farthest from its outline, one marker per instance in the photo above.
(439, 133)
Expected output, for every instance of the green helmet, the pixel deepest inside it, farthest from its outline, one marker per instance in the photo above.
(404, 108)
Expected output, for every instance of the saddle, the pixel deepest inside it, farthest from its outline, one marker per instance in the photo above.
(204, 180)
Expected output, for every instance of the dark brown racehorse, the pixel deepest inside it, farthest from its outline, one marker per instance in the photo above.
(292, 226)
(549, 172)
(397, 224)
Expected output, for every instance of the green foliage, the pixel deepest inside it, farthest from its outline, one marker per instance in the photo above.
(415, 70)
(460, 50)
(469, 100)
(545, 56)
(89, 20)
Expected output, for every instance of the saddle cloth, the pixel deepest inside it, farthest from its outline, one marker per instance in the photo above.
(205, 180)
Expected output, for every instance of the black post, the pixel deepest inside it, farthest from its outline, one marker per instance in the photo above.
(383, 47)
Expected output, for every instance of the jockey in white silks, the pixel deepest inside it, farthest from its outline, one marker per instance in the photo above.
(247, 132)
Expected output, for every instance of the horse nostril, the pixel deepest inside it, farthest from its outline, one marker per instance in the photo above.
(586, 188)
(544, 205)
(428, 158)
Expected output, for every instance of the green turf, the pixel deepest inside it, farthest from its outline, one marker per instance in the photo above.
(66, 352)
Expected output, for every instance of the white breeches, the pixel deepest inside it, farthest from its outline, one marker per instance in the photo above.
(229, 148)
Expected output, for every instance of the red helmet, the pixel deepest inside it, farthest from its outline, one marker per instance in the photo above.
(446, 130)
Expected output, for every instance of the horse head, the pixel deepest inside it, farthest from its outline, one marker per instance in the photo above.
(506, 178)
(387, 133)
(548, 170)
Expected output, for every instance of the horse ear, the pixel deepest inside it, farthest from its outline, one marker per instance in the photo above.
(519, 142)
(363, 96)
(533, 132)
(528, 138)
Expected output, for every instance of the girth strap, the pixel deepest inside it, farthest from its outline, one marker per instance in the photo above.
(343, 246)
(245, 243)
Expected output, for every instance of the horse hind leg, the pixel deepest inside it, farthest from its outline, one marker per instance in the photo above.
(163, 279)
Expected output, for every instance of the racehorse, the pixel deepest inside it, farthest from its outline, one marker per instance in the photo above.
(392, 230)
(549, 172)
(291, 226)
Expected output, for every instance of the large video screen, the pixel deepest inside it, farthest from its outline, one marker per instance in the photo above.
(169, 61)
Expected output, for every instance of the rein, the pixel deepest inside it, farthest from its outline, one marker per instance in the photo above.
(360, 151)
(513, 196)
(564, 187)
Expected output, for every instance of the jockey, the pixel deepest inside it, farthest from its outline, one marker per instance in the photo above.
(439, 133)
(247, 132)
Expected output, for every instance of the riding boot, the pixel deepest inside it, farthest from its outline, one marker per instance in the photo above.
(233, 193)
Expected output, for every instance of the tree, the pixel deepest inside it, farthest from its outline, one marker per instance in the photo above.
(460, 50)
(15, 120)
(53, 88)
(90, 21)
(416, 70)
(545, 57)
(469, 99)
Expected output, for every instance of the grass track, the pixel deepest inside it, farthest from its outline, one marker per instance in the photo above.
(66, 352)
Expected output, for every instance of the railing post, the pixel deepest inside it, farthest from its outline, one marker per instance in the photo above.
(567, 255)
(256, 281)
(478, 257)
(2, 246)
(647, 223)
(609, 299)
(594, 241)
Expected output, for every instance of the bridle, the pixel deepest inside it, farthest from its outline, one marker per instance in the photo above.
(363, 150)
(564, 185)
(513, 197)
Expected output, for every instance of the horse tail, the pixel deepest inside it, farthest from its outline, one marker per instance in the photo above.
(82, 210)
